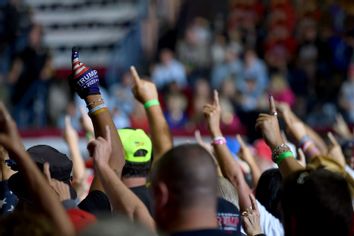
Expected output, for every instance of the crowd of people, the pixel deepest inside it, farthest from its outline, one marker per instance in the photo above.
(145, 185)
(252, 91)
(301, 52)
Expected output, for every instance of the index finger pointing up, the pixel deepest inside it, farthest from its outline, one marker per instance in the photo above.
(332, 138)
(135, 75)
(46, 170)
(216, 98)
(272, 108)
(254, 203)
(240, 140)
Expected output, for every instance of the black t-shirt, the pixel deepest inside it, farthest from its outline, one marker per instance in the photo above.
(228, 216)
(33, 63)
(204, 232)
(142, 192)
(96, 202)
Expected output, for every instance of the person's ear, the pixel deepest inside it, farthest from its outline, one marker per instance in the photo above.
(161, 195)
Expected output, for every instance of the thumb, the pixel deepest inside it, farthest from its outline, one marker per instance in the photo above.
(216, 98)
(332, 139)
(91, 147)
(272, 108)
(46, 170)
(240, 140)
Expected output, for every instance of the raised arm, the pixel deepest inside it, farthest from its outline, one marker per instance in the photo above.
(282, 156)
(335, 151)
(305, 137)
(229, 167)
(39, 188)
(247, 156)
(79, 170)
(121, 197)
(86, 83)
(72, 140)
(146, 93)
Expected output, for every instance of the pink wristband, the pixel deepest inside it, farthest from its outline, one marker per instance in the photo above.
(218, 140)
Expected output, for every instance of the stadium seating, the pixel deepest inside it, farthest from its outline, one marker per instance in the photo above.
(97, 26)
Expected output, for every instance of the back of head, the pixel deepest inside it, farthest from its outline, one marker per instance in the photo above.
(60, 169)
(268, 191)
(26, 223)
(316, 203)
(189, 173)
(115, 226)
(137, 151)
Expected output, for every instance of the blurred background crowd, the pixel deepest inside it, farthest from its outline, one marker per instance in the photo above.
(300, 51)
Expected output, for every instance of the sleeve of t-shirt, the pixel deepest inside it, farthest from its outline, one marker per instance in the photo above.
(270, 225)
(8, 199)
(96, 202)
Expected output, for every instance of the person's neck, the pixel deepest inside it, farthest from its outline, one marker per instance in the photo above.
(192, 219)
(132, 182)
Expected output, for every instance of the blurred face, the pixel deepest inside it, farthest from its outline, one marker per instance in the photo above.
(202, 88)
(166, 56)
(228, 88)
(230, 56)
(310, 33)
(35, 36)
(251, 84)
(175, 104)
(191, 36)
(249, 57)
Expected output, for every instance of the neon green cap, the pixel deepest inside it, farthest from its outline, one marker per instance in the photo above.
(134, 140)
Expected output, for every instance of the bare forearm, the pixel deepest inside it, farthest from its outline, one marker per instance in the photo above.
(231, 169)
(320, 144)
(78, 162)
(123, 200)
(289, 166)
(160, 132)
(100, 121)
(256, 172)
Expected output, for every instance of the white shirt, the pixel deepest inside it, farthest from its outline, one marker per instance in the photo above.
(270, 225)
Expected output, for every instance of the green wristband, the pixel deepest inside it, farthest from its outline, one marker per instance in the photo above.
(150, 103)
(283, 156)
(89, 136)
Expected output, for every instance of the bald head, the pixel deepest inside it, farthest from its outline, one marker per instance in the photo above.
(189, 173)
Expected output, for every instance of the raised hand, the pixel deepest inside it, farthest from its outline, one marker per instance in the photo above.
(143, 90)
(60, 188)
(341, 127)
(335, 151)
(269, 126)
(9, 136)
(201, 142)
(212, 113)
(85, 121)
(246, 154)
(70, 134)
(301, 155)
(100, 148)
(84, 79)
(295, 126)
(251, 219)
